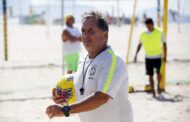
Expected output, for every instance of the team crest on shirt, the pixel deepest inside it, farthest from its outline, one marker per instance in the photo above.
(92, 71)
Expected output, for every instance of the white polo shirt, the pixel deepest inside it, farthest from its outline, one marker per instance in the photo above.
(72, 47)
(107, 73)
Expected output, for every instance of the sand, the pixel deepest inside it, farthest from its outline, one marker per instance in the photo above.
(174, 106)
(35, 62)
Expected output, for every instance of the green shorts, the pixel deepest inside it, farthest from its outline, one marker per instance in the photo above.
(71, 61)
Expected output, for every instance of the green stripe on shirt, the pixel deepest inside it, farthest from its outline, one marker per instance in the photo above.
(111, 71)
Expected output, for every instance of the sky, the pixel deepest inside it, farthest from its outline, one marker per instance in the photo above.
(77, 7)
(126, 6)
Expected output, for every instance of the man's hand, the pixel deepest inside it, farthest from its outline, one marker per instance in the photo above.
(135, 59)
(57, 98)
(164, 59)
(54, 111)
(138, 49)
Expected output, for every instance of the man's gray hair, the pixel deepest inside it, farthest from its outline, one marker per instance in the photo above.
(101, 22)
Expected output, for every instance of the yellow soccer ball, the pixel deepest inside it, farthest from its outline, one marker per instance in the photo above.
(131, 89)
(65, 88)
(147, 88)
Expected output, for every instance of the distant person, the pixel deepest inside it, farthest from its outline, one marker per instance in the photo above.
(101, 83)
(71, 38)
(155, 48)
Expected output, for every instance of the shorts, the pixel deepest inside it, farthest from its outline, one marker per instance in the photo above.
(71, 61)
(152, 64)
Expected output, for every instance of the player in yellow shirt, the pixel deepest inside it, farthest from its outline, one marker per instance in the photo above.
(155, 47)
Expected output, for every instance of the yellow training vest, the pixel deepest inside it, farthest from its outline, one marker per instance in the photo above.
(152, 42)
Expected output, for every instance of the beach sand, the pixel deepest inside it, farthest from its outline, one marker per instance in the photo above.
(174, 106)
(34, 66)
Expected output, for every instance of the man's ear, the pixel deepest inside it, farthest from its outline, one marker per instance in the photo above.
(106, 34)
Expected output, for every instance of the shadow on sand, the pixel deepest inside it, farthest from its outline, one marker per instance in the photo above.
(176, 98)
(165, 96)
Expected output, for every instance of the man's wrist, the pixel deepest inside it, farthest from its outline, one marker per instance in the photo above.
(66, 110)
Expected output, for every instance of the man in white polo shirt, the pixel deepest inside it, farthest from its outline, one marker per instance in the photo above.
(101, 81)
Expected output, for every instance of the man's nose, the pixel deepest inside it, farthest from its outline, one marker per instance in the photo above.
(85, 35)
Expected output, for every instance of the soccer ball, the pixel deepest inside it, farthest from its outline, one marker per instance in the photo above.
(65, 88)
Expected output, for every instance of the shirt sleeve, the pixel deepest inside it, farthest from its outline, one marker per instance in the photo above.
(111, 77)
